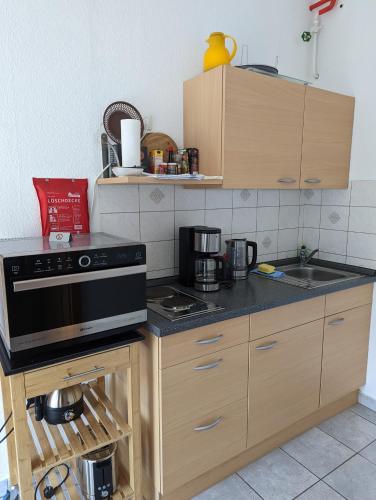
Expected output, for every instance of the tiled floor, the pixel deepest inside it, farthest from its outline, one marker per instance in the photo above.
(333, 461)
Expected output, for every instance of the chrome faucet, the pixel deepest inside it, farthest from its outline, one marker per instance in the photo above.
(303, 257)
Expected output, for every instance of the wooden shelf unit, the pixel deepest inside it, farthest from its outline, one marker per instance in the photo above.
(134, 179)
(36, 446)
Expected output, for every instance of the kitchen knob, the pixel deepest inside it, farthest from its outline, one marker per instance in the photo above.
(84, 261)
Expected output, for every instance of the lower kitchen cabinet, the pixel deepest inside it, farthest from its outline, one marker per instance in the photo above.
(284, 383)
(345, 353)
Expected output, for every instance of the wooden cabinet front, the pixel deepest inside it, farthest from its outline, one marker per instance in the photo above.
(345, 353)
(284, 381)
(262, 130)
(327, 136)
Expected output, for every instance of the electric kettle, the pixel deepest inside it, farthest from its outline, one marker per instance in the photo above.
(217, 54)
(60, 406)
(237, 257)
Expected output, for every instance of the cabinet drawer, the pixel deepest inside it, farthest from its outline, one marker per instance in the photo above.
(206, 340)
(345, 353)
(282, 318)
(201, 444)
(73, 372)
(194, 388)
(348, 299)
(284, 379)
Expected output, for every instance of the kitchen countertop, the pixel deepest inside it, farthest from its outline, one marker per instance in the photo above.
(248, 296)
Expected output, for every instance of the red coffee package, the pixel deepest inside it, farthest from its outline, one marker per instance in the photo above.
(63, 205)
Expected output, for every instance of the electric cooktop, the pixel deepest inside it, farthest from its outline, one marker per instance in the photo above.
(174, 304)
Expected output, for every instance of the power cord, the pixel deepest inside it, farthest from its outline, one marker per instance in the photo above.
(50, 491)
(2, 427)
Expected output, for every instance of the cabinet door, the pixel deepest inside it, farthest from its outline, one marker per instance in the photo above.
(263, 123)
(284, 379)
(345, 352)
(327, 135)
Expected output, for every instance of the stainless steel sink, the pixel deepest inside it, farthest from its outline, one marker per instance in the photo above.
(312, 276)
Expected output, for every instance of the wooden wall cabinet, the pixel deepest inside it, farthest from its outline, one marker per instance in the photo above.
(263, 132)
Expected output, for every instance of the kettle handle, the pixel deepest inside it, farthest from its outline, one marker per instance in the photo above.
(235, 47)
(252, 244)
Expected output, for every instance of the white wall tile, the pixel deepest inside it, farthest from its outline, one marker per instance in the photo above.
(161, 273)
(333, 241)
(336, 196)
(159, 255)
(335, 217)
(267, 218)
(268, 198)
(288, 217)
(221, 218)
(267, 242)
(244, 198)
(189, 199)
(363, 220)
(247, 236)
(266, 257)
(118, 199)
(289, 197)
(157, 226)
(332, 257)
(157, 197)
(188, 218)
(310, 197)
(224, 238)
(311, 215)
(287, 239)
(287, 255)
(218, 198)
(311, 238)
(121, 224)
(363, 194)
(354, 261)
(361, 245)
(243, 220)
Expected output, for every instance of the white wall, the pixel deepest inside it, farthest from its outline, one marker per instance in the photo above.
(63, 62)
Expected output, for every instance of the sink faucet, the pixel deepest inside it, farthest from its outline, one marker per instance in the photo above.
(303, 257)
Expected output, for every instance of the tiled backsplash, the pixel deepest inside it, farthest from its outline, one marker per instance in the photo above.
(341, 223)
(153, 214)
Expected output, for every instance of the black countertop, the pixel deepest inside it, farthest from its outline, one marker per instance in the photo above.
(248, 296)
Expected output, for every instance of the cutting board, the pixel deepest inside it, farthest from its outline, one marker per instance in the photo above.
(157, 140)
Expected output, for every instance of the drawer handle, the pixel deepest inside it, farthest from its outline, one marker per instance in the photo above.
(266, 347)
(312, 181)
(209, 366)
(287, 180)
(337, 321)
(213, 340)
(201, 428)
(78, 375)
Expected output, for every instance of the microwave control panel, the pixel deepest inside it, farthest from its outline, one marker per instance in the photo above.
(54, 264)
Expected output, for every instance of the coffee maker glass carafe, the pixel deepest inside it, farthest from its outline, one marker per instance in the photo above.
(238, 261)
(207, 272)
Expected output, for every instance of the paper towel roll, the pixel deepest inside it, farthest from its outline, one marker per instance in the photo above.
(130, 142)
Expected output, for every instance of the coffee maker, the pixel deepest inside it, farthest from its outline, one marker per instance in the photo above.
(199, 262)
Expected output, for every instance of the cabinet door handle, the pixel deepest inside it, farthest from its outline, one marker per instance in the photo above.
(312, 181)
(88, 372)
(337, 321)
(287, 180)
(266, 347)
(201, 428)
(208, 366)
(213, 340)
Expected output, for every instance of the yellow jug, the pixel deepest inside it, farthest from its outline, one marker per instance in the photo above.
(217, 54)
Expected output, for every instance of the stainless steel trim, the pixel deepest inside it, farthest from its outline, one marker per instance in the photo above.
(207, 242)
(209, 366)
(312, 181)
(37, 339)
(287, 180)
(88, 372)
(206, 287)
(37, 283)
(337, 321)
(201, 428)
(213, 340)
(266, 347)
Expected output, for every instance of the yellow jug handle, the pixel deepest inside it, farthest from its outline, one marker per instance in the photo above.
(235, 48)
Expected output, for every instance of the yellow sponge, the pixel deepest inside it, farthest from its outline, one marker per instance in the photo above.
(266, 268)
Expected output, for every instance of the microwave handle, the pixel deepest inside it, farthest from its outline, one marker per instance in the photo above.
(252, 244)
(69, 279)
